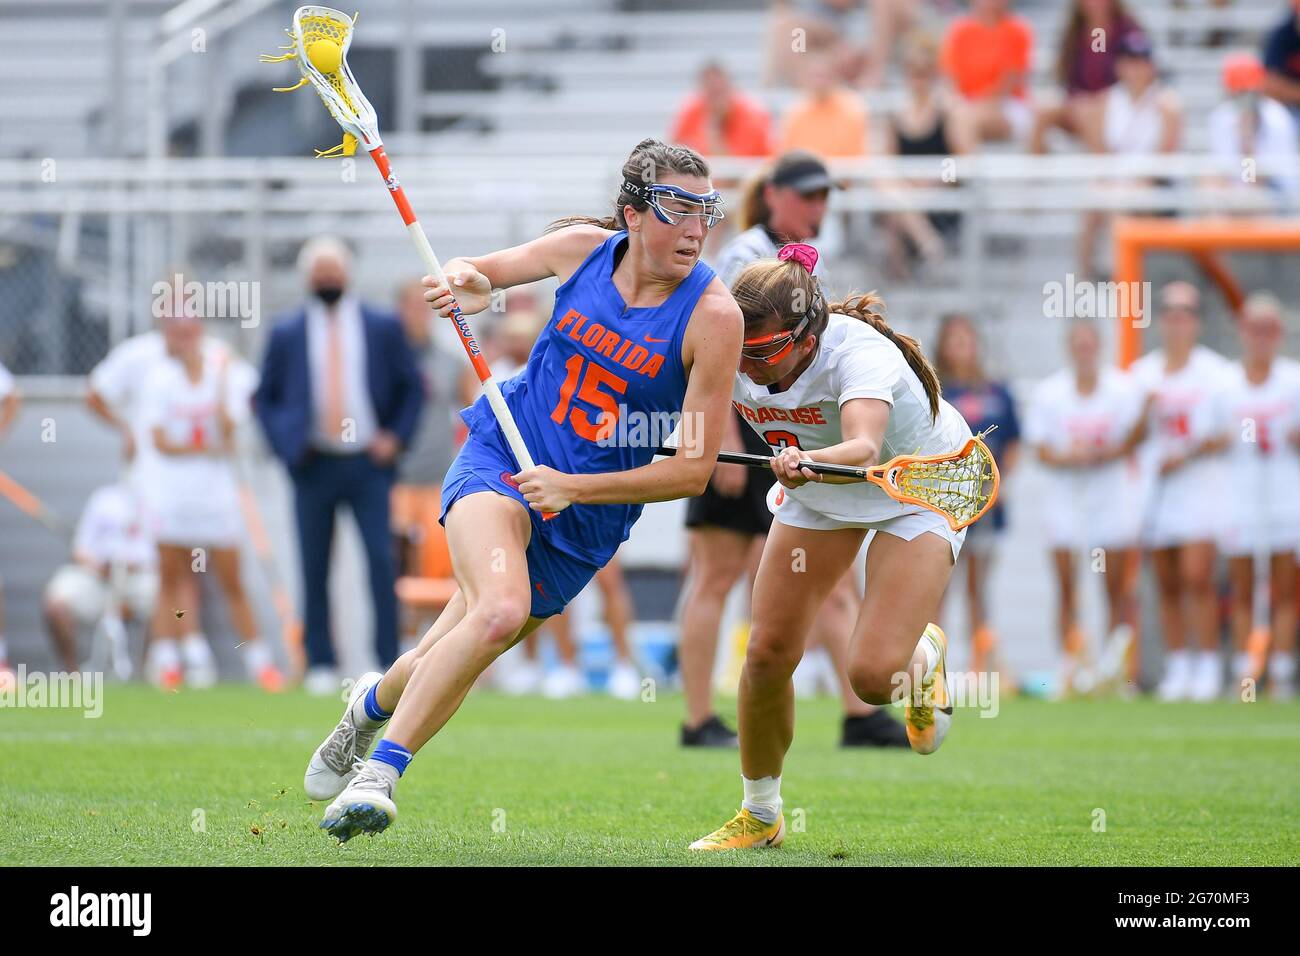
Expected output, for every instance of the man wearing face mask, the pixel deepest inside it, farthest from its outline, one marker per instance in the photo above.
(340, 397)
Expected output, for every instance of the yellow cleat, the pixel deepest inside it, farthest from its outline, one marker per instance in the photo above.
(928, 715)
(744, 831)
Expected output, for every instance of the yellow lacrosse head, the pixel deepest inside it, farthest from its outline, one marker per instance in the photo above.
(962, 486)
(320, 40)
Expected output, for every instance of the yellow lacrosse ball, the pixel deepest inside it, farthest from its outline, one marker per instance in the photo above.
(325, 55)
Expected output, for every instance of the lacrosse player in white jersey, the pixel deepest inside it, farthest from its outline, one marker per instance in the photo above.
(1182, 476)
(1084, 421)
(831, 382)
(1258, 414)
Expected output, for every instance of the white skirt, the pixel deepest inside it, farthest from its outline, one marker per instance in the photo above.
(196, 504)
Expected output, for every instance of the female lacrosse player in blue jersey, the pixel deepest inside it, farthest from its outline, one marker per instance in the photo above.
(641, 330)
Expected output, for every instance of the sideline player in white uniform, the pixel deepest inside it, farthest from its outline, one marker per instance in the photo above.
(192, 405)
(113, 559)
(1259, 418)
(833, 383)
(114, 394)
(1084, 421)
(1182, 474)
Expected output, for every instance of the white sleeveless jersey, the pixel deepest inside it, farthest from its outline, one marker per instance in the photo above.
(1096, 506)
(1181, 417)
(853, 361)
(1258, 421)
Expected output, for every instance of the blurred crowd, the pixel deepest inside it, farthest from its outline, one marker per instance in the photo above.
(963, 70)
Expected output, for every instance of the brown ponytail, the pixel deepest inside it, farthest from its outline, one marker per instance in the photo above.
(869, 308)
(648, 161)
(754, 210)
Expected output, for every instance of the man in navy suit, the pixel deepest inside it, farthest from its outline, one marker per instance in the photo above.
(340, 397)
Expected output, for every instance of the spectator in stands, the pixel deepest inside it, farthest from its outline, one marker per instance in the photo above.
(113, 570)
(718, 120)
(339, 399)
(829, 120)
(818, 28)
(1250, 127)
(985, 404)
(927, 124)
(9, 404)
(1083, 423)
(1139, 116)
(1085, 68)
(191, 404)
(1258, 417)
(987, 55)
(891, 21)
(1282, 61)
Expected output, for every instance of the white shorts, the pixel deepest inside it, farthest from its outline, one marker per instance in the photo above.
(907, 526)
(85, 594)
(1074, 528)
(193, 514)
(1242, 539)
(1176, 515)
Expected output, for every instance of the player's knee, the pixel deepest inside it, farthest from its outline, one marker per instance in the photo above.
(499, 620)
(873, 683)
(768, 664)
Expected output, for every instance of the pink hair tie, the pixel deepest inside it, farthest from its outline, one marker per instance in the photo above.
(801, 253)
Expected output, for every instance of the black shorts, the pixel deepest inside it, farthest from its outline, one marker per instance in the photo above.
(747, 514)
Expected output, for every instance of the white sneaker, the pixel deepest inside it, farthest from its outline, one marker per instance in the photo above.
(322, 682)
(332, 765)
(365, 806)
(563, 682)
(162, 665)
(1178, 676)
(1206, 681)
(200, 665)
(624, 682)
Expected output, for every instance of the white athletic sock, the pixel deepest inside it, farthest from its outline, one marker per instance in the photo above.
(931, 655)
(763, 798)
(4, 651)
(1241, 663)
(1281, 667)
(195, 648)
(256, 657)
(165, 653)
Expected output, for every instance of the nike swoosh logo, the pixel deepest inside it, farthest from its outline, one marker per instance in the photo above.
(538, 585)
(651, 338)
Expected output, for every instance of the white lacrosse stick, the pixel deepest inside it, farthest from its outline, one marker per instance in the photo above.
(321, 37)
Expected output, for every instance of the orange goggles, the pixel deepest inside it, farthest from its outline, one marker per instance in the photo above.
(773, 348)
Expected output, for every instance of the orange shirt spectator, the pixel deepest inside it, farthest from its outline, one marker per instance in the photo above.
(830, 120)
(979, 54)
(720, 121)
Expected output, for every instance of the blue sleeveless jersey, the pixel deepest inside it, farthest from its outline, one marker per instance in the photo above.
(600, 384)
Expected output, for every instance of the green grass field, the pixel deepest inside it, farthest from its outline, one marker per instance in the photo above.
(596, 781)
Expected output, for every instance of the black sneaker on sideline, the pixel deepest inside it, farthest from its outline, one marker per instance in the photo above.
(714, 733)
(876, 729)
